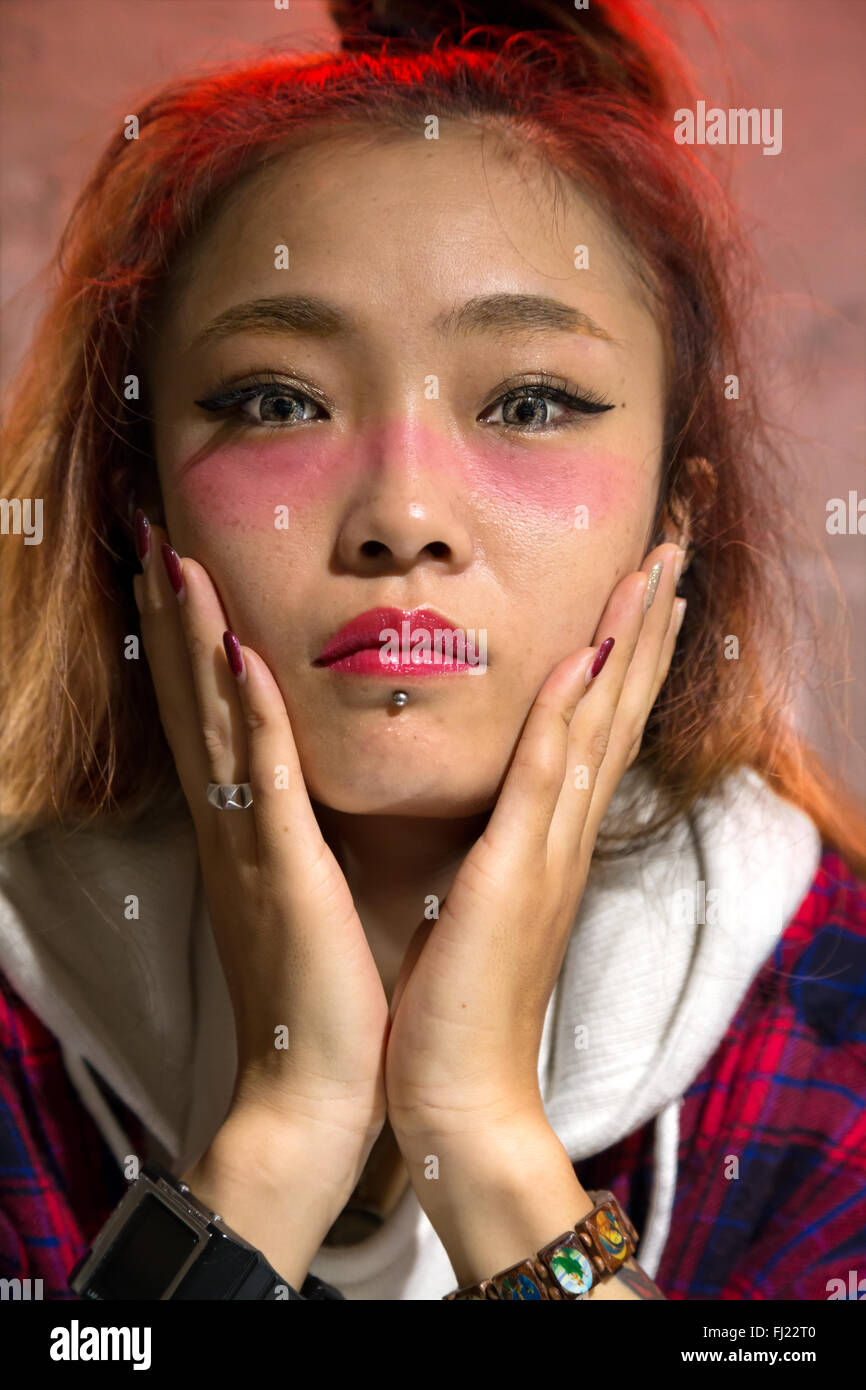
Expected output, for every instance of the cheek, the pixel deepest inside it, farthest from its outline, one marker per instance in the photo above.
(239, 486)
(559, 489)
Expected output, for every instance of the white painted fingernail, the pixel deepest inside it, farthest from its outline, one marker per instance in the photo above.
(681, 612)
(655, 575)
(678, 565)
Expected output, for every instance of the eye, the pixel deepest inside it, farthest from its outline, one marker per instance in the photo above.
(279, 403)
(528, 405)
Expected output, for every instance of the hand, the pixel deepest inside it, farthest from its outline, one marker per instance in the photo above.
(469, 1004)
(291, 943)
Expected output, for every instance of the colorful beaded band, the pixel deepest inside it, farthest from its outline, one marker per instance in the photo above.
(596, 1247)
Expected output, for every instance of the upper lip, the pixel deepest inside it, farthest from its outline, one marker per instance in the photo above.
(365, 629)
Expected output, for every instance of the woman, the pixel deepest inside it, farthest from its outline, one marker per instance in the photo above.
(358, 352)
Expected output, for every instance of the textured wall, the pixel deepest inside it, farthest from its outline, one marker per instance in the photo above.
(71, 69)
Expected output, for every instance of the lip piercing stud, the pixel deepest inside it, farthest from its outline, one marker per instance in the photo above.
(400, 698)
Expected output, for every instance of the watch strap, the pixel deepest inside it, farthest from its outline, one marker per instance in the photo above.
(222, 1264)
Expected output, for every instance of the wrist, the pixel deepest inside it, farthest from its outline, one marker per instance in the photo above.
(346, 1124)
(482, 1146)
(498, 1198)
(280, 1184)
(259, 1143)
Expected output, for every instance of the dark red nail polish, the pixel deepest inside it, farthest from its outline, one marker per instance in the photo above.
(233, 653)
(601, 656)
(142, 537)
(173, 569)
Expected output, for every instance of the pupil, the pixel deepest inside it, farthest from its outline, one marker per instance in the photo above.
(283, 405)
(528, 408)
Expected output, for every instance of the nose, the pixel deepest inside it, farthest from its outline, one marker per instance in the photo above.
(411, 505)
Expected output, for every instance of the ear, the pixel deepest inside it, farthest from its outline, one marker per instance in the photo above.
(668, 530)
(137, 485)
(691, 495)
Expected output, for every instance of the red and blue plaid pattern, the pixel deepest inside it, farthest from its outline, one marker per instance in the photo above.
(785, 1096)
(770, 1199)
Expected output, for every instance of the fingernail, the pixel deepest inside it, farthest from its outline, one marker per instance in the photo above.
(142, 538)
(173, 569)
(233, 653)
(678, 565)
(655, 575)
(681, 613)
(601, 657)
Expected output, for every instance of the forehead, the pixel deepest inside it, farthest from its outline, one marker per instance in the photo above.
(401, 227)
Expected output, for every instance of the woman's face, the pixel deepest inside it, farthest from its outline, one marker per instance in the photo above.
(429, 278)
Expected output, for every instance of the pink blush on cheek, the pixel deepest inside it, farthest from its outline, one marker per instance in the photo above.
(608, 485)
(240, 485)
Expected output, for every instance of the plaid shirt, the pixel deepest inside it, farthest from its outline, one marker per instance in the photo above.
(784, 1093)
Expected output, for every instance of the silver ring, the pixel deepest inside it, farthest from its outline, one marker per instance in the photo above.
(230, 796)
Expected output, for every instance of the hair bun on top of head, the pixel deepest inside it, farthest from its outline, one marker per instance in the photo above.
(609, 45)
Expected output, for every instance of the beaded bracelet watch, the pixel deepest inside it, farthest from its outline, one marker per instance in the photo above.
(596, 1247)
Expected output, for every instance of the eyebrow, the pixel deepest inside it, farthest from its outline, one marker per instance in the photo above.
(310, 316)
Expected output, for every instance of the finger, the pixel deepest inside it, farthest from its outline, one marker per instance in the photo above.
(636, 700)
(643, 680)
(220, 720)
(589, 737)
(288, 834)
(668, 648)
(533, 791)
(171, 672)
(523, 810)
(640, 688)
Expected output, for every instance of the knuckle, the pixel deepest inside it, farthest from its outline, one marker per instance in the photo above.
(216, 739)
(598, 746)
(255, 720)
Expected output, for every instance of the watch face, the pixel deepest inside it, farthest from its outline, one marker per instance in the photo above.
(146, 1256)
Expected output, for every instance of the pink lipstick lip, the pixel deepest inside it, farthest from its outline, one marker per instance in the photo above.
(367, 662)
(363, 632)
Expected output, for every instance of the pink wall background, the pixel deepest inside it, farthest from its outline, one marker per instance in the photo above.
(72, 69)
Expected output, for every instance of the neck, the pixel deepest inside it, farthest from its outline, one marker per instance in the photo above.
(392, 865)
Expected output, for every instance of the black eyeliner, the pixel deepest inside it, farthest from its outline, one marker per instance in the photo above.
(587, 405)
(560, 390)
(542, 385)
(234, 396)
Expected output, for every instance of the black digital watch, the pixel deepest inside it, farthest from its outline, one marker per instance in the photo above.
(161, 1242)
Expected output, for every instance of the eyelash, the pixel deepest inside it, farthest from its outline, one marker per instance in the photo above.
(580, 403)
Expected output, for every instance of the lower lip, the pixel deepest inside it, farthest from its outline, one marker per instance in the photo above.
(367, 662)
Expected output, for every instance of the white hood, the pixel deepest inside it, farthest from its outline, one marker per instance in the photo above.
(655, 970)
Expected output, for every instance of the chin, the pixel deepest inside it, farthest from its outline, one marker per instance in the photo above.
(396, 792)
